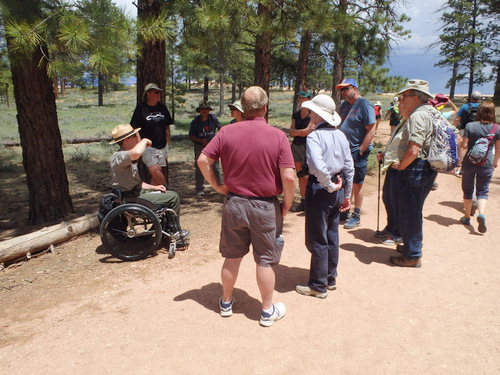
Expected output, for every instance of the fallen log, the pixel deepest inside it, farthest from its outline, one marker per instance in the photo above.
(91, 139)
(42, 239)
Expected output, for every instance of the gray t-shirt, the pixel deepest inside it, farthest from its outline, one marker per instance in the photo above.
(474, 131)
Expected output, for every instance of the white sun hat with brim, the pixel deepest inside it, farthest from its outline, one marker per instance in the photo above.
(324, 106)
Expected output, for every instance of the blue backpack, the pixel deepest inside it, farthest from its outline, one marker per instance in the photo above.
(443, 150)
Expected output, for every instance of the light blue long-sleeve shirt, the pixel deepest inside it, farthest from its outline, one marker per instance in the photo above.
(328, 154)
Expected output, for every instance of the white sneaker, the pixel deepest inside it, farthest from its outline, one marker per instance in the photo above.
(267, 320)
(226, 308)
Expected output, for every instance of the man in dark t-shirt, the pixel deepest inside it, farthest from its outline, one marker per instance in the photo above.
(154, 120)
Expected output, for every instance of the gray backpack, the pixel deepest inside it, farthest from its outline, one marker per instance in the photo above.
(478, 154)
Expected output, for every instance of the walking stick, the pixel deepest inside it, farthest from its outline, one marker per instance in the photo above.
(378, 198)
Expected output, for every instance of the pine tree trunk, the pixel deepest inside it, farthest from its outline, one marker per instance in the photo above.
(40, 137)
(206, 88)
(263, 44)
(151, 61)
(302, 66)
(100, 88)
(496, 94)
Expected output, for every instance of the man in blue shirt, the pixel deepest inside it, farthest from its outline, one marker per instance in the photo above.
(358, 124)
(463, 115)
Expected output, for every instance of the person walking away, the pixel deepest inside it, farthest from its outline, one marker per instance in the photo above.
(328, 192)
(299, 129)
(203, 128)
(358, 124)
(393, 114)
(478, 177)
(467, 113)
(154, 120)
(378, 114)
(251, 213)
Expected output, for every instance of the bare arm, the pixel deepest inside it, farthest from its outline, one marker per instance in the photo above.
(136, 152)
(168, 134)
(370, 131)
(454, 108)
(288, 182)
(205, 164)
(300, 132)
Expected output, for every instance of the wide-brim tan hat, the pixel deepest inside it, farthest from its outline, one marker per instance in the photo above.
(324, 106)
(418, 85)
(121, 132)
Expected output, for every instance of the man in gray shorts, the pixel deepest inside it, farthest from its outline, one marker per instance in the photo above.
(252, 213)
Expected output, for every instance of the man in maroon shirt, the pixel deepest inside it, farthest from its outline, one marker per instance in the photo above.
(258, 165)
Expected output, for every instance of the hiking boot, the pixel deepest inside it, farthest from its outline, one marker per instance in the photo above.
(482, 223)
(465, 220)
(402, 261)
(392, 240)
(332, 287)
(434, 185)
(382, 234)
(307, 291)
(354, 222)
(300, 207)
(200, 193)
(400, 248)
(226, 308)
(267, 320)
(344, 216)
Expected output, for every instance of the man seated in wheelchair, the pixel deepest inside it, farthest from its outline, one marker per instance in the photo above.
(125, 175)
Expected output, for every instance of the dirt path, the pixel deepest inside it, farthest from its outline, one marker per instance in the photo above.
(80, 311)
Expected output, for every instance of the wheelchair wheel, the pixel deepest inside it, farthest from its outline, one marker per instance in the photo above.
(131, 232)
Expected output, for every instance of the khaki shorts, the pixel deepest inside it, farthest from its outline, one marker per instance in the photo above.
(153, 156)
(255, 221)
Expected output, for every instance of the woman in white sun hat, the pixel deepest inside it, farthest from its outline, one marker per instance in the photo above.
(328, 192)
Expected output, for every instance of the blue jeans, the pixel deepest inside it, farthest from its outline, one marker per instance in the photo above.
(390, 199)
(414, 184)
(322, 234)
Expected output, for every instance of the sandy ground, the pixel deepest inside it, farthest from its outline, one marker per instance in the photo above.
(80, 311)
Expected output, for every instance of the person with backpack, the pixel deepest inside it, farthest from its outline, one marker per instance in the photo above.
(467, 112)
(393, 114)
(414, 173)
(203, 128)
(479, 161)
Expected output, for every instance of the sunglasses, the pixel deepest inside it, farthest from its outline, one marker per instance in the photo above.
(345, 88)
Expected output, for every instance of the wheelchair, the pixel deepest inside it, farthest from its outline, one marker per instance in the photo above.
(134, 228)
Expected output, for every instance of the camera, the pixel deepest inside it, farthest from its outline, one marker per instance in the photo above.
(304, 171)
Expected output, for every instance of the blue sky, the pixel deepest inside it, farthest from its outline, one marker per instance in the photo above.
(410, 58)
